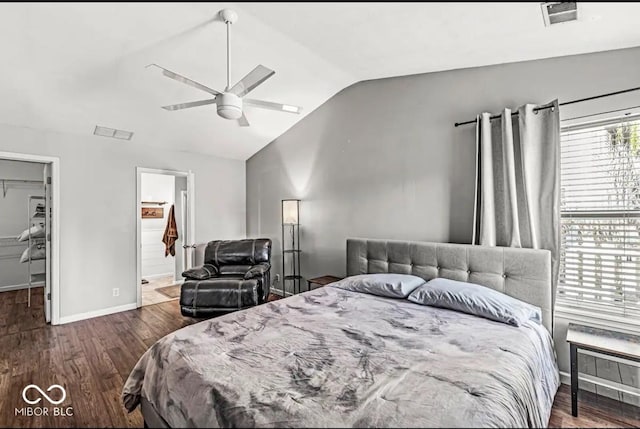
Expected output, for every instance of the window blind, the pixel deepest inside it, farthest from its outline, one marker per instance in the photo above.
(600, 213)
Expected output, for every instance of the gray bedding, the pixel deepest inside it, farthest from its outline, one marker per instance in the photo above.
(335, 358)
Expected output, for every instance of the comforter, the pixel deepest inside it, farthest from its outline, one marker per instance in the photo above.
(335, 358)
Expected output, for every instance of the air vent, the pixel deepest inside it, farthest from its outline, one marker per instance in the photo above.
(556, 12)
(112, 132)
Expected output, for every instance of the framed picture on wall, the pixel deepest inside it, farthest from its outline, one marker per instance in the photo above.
(152, 212)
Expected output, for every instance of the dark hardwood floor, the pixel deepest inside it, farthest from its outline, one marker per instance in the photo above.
(92, 359)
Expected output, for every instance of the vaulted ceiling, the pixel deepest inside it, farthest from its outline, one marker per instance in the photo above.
(68, 67)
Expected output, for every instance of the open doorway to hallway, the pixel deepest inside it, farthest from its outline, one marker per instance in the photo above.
(164, 233)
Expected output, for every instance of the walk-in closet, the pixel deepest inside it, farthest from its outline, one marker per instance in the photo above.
(24, 232)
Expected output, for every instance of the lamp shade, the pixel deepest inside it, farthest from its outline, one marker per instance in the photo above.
(290, 212)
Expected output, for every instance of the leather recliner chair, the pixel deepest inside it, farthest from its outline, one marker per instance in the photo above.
(235, 274)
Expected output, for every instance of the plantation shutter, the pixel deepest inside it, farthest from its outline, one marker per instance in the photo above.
(600, 209)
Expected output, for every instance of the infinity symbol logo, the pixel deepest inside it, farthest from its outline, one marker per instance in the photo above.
(48, 398)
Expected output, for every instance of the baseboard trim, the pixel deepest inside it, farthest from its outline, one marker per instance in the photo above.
(20, 286)
(279, 292)
(97, 313)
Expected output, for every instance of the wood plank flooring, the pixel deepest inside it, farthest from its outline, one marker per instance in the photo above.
(92, 359)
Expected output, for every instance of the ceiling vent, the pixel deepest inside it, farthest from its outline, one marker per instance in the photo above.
(556, 12)
(112, 132)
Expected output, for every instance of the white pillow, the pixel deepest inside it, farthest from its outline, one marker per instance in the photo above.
(37, 231)
(38, 251)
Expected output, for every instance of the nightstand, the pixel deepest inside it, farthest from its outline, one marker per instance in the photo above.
(322, 281)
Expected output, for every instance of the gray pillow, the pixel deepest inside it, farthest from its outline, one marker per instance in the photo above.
(474, 299)
(384, 284)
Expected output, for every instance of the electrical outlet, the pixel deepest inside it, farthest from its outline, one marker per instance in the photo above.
(116, 291)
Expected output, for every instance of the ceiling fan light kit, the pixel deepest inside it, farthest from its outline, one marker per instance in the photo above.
(229, 104)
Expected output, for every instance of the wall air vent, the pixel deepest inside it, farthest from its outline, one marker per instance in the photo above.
(112, 132)
(556, 12)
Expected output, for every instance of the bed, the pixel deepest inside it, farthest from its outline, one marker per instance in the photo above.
(336, 358)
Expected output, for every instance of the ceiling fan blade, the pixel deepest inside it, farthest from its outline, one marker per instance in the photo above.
(251, 80)
(185, 80)
(190, 104)
(272, 106)
(242, 121)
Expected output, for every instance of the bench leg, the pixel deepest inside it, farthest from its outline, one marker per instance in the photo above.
(573, 350)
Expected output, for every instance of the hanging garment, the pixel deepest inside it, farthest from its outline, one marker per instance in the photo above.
(170, 235)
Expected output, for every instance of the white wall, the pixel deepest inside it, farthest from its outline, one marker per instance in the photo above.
(98, 207)
(156, 187)
(13, 220)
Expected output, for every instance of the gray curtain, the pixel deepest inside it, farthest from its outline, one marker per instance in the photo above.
(518, 181)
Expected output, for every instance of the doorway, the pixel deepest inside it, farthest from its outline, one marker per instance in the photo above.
(165, 219)
(29, 233)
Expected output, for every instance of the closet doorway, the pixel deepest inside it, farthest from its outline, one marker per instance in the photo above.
(165, 230)
(29, 235)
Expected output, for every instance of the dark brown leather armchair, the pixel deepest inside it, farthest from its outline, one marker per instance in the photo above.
(235, 275)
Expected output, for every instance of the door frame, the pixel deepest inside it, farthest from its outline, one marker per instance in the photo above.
(191, 229)
(54, 161)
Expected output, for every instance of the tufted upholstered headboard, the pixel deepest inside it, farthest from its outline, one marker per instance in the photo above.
(524, 274)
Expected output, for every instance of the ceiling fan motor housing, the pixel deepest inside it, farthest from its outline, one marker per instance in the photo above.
(229, 105)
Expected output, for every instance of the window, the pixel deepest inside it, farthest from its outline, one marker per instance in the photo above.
(600, 209)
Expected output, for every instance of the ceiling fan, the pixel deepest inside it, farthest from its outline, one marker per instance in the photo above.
(230, 102)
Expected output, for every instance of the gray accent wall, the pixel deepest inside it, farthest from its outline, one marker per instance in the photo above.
(382, 159)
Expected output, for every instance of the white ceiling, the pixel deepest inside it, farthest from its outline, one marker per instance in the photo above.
(67, 67)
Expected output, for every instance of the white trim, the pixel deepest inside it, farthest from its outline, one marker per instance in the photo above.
(98, 313)
(191, 201)
(621, 117)
(56, 299)
(192, 208)
(279, 292)
(626, 325)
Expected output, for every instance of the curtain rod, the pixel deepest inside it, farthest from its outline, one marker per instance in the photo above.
(473, 121)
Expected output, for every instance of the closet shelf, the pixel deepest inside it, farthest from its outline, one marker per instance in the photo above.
(157, 203)
(6, 183)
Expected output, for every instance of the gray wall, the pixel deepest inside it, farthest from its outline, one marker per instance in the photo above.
(98, 208)
(383, 159)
